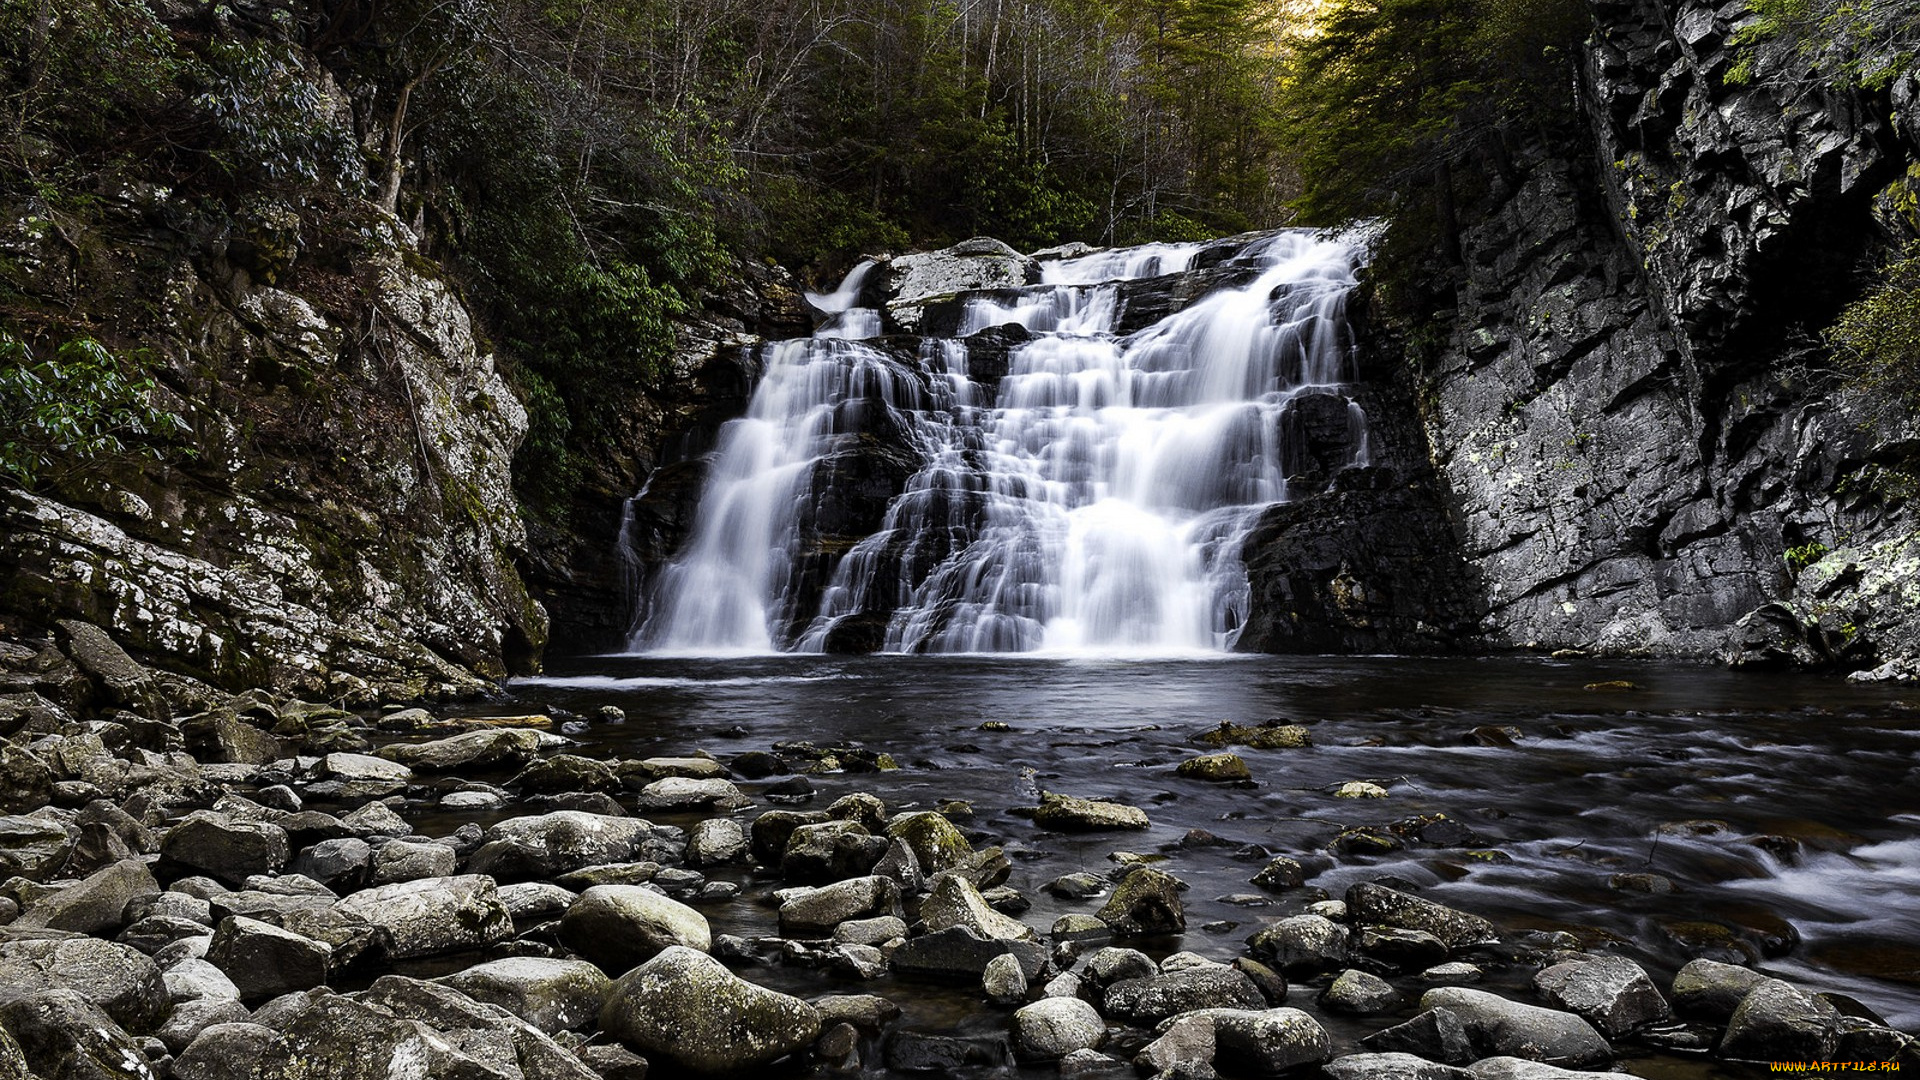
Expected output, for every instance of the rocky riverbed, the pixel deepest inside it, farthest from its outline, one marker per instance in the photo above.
(203, 885)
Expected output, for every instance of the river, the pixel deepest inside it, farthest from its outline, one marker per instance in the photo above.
(1783, 809)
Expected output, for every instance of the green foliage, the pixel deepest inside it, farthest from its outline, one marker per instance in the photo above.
(81, 408)
(1876, 340)
(1795, 43)
(83, 71)
(275, 126)
(1805, 555)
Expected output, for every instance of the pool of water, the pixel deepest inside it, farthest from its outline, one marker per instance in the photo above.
(1785, 810)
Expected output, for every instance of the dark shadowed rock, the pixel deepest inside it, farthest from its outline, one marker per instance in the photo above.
(1613, 993)
(63, 1036)
(958, 954)
(1146, 901)
(97, 903)
(230, 849)
(1712, 990)
(1147, 1001)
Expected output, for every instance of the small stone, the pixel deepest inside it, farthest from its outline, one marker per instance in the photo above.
(1076, 886)
(1003, 980)
(1280, 874)
(1052, 1028)
(677, 793)
(1361, 994)
(1146, 901)
(1065, 813)
(954, 901)
(1220, 768)
(1360, 789)
(875, 931)
(818, 910)
(1451, 974)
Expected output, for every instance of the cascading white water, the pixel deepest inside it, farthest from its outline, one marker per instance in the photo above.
(1095, 499)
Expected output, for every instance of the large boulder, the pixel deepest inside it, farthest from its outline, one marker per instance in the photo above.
(548, 845)
(912, 281)
(229, 848)
(1612, 993)
(32, 847)
(501, 748)
(434, 915)
(805, 911)
(1147, 901)
(552, 995)
(1067, 813)
(1301, 945)
(1052, 1028)
(937, 843)
(337, 1038)
(265, 961)
(830, 851)
(95, 904)
(960, 954)
(687, 1007)
(1368, 903)
(1776, 1021)
(1711, 990)
(1147, 1001)
(618, 926)
(1500, 1028)
(225, 1051)
(118, 979)
(954, 901)
(1237, 1042)
(63, 1036)
(1390, 1067)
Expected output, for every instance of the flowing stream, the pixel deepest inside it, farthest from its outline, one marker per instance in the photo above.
(1784, 810)
(1093, 498)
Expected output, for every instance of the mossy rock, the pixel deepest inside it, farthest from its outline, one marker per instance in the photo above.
(935, 841)
(1216, 768)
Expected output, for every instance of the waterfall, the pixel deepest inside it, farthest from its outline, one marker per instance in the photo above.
(1092, 492)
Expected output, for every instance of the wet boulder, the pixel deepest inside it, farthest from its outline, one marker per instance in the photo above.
(224, 1051)
(1391, 1067)
(1301, 945)
(954, 901)
(830, 851)
(1368, 903)
(1066, 813)
(565, 772)
(95, 904)
(1612, 993)
(805, 911)
(686, 1007)
(500, 748)
(1438, 1034)
(548, 845)
(618, 926)
(1500, 1028)
(716, 841)
(1777, 1021)
(228, 848)
(59, 1034)
(1221, 768)
(960, 954)
(1360, 994)
(1146, 901)
(937, 843)
(1711, 990)
(680, 793)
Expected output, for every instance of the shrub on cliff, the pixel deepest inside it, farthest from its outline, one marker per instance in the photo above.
(1876, 340)
(80, 408)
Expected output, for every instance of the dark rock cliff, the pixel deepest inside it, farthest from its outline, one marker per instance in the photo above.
(1633, 418)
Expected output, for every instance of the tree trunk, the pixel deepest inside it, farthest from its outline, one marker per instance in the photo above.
(389, 197)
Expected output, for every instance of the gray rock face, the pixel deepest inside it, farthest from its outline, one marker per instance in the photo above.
(1776, 1021)
(1501, 1028)
(685, 1006)
(434, 915)
(954, 901)
(1612, 993)
(1050, 1029)
(552, 995)
(618, 926)
(980, 263)
(403, 860)
(225, 576)
(190, 1018)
